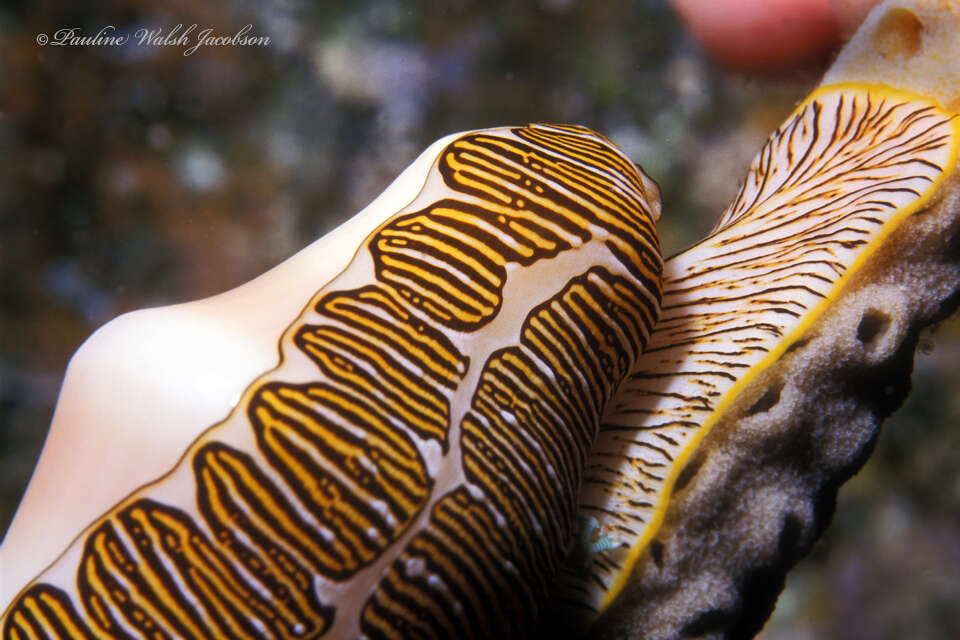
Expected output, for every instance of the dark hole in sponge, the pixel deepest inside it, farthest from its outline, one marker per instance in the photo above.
(899, 34)
(656, 552)
(686, 474)
(796, 345)
(768, 400)
(873, 324)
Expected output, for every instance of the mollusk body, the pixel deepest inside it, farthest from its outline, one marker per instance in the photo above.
(411, 467)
